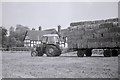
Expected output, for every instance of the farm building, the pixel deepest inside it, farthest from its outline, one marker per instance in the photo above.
(33, 37)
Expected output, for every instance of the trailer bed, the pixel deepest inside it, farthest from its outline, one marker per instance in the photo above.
(94, 34)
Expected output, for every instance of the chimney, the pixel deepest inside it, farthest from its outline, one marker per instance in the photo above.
(40, 28)
(59, 29)
(33, 28)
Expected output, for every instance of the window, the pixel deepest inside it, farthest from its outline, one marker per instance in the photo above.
(24, 45)
(31, 45)
(34, 42)
(28, 44)
(44, 39)
(38, 42)
(27, 40)
(53, 39)
(31, 41)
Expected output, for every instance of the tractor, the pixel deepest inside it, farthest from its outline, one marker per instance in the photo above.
(51, 46)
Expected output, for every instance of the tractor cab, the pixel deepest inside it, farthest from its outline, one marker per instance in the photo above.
(51, 39)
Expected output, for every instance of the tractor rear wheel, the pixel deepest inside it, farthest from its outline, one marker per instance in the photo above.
(52, 51)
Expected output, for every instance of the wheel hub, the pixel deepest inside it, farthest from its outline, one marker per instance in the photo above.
(34, 53)
(50, 50)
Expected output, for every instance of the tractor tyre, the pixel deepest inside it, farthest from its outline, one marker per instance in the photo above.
(107, 53)
(88, 52)
(80, 53)
(52, 51)
(114, 52)
(34, 53)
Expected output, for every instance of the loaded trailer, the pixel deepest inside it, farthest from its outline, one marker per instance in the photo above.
(85, 36)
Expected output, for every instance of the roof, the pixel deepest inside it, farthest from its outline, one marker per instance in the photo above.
(64, 32)
(37, 35)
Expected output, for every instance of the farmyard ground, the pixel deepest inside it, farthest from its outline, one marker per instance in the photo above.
(68, 65)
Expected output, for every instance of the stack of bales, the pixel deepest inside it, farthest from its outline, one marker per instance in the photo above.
(94, 34)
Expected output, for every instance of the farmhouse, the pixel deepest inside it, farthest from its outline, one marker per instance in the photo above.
(33, 37)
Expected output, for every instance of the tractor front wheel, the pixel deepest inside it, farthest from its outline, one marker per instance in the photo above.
(34, 53)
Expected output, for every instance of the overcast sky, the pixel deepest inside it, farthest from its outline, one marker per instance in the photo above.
(51, 14)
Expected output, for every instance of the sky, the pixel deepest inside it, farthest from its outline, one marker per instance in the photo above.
(51, 14)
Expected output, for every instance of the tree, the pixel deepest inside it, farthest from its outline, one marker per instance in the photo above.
(12, 41)
(0, 37)
(16, 37)
(4, 37)
(11, 31)
(20, 34)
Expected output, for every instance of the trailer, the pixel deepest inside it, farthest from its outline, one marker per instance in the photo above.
(85, 36)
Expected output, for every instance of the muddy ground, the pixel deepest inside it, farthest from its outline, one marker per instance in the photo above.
(68, 65)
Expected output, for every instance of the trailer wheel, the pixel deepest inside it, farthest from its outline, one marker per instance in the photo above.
(80, 53)
(114, 52)
(88, 52)
(34, 53)
(118, 52)
(52, 51)
(107, 53)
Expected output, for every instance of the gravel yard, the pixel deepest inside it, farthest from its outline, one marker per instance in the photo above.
(68, 65)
